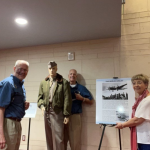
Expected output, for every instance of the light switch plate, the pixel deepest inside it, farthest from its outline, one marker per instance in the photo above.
(71, 55)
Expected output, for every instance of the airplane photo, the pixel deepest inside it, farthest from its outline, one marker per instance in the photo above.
(116, 96)
(112, 88)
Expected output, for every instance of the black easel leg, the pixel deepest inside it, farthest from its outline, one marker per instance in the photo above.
(102, 136)
(119, 139)
(28, 134)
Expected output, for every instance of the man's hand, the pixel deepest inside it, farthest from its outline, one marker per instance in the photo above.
(79, 97)
(119, 126)
(66, 120)
(2, 141)
(2, 137)
(43, 110)
(27, 105)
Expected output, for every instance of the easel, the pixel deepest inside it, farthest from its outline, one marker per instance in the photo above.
(28, 134)
(30, 113)
(103, 135)
(110, 126)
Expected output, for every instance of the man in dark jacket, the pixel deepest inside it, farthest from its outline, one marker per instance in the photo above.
(55, 101)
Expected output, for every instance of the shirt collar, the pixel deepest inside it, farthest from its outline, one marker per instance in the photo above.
(16, 80)
(75, 85)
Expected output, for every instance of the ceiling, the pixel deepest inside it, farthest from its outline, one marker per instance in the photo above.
(58, 21)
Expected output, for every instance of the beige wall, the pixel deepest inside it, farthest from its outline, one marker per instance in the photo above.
(94, 59)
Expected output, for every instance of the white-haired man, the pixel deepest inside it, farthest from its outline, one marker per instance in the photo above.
(12, 106)
(80, 95)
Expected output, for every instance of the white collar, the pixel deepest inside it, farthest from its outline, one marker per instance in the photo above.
(73, 85)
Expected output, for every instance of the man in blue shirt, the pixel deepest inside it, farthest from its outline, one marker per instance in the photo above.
(12, 106)
(80, 95)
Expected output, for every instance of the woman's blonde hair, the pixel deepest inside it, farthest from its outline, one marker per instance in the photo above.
(142, 77)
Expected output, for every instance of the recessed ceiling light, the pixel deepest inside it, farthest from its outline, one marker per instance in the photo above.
(21, 21)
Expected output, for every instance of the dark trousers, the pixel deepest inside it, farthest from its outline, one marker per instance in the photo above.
(143, 146)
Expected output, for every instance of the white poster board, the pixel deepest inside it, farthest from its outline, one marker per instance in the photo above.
(114, 100)
(31, 111)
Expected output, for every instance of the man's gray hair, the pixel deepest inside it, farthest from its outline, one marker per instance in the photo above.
(21, 61)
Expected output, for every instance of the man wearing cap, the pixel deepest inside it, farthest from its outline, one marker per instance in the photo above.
(54, 100)
(12, 106)
(80, 95)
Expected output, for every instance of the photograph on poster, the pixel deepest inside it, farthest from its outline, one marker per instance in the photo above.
(114, 99)
(114, 86)
(114, 91)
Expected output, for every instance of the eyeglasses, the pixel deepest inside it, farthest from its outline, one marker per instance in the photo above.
(21, 70)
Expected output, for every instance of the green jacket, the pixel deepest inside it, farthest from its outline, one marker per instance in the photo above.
(61, 98)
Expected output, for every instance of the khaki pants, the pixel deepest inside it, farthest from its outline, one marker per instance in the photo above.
(72, 132)
(54, 130)
(12, 132)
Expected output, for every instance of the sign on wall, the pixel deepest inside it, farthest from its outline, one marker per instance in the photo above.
(114, 100)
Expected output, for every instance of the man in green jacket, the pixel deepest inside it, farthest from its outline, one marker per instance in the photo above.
(55, 101)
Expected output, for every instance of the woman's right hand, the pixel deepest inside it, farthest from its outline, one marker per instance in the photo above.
(119, 126)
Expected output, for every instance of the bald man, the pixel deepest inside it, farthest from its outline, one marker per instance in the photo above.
(12, 106)
(80, 95)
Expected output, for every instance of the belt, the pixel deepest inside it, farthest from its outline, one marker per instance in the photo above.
(15, 119)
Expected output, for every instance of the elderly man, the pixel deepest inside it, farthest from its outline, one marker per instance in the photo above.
(79, 95)
(12, 106)
(54, 99)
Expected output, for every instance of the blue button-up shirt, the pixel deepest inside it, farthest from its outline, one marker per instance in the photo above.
(77, 104)
(12, 97)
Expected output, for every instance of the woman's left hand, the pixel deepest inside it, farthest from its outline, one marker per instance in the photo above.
(119, 126)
